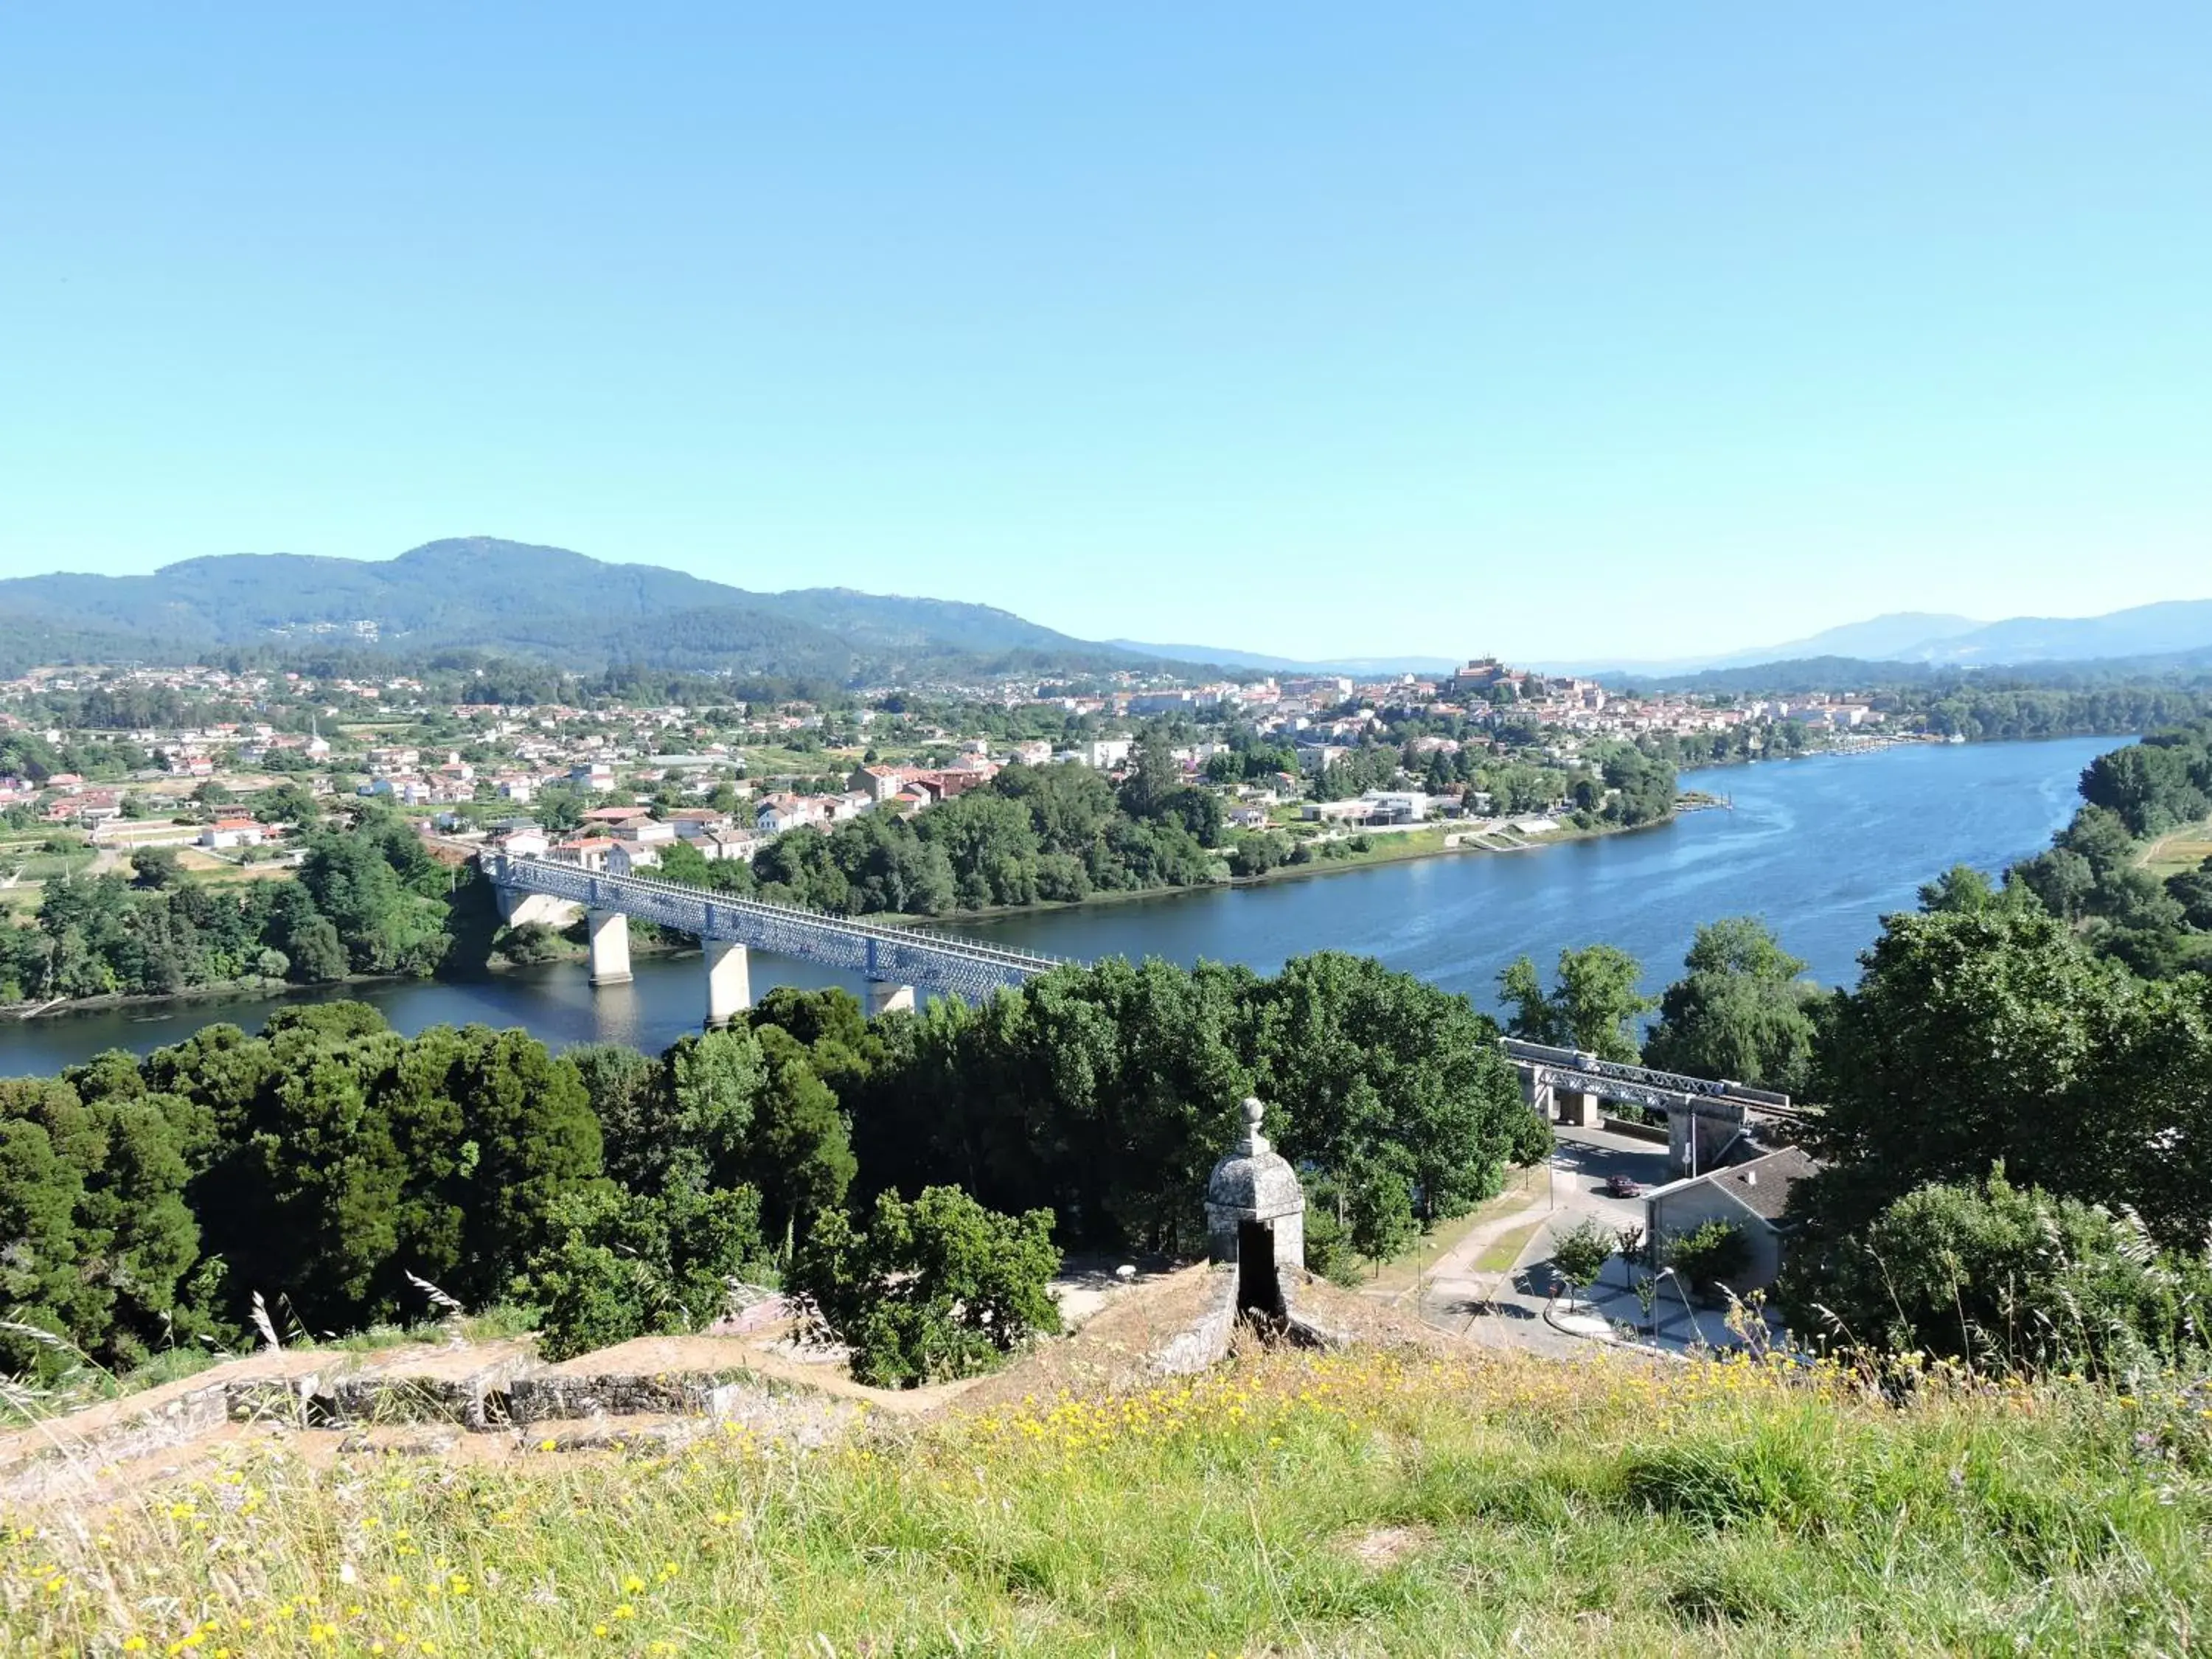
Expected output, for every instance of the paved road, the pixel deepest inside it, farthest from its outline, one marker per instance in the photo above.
(1507, 1308)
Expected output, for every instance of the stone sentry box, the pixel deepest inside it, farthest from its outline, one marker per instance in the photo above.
(1255, 1218)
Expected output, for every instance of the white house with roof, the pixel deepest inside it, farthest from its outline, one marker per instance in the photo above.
(233, 832)
(1751, 1196)
(627, 857)
(530, 842)
(589, 852)
(780, 811)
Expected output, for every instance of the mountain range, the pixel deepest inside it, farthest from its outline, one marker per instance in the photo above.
(508, 598)
(547, 602)
(1937, 640)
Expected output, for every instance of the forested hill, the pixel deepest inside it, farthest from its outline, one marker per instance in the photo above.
(543, 602)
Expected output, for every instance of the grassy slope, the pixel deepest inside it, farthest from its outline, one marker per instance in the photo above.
(1366, 1502)
(2178, 850)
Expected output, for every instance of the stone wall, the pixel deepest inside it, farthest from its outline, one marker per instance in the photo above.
(1205, 1341)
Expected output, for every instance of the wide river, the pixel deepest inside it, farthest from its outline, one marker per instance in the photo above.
(1821, 847)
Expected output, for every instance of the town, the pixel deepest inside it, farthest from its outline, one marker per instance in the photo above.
(125, 758)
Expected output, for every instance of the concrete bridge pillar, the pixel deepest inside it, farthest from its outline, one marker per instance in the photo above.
(1696, 1142)
(1578, 1110)
(729, 981)
(610, 934)
(884, 997)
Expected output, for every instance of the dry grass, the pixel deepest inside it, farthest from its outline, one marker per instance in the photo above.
(1368, 1503)
(2178, 850)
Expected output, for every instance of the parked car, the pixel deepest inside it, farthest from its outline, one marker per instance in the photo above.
(1621, 1186)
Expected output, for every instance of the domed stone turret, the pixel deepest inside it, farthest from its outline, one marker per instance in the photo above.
(1254, 1204)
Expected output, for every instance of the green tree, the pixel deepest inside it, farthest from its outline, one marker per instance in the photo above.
(1740, 1012)
(1973, 1037)
(1594, 1008)
(1371, 1069)
(42, 1194)
(155, 868)
(797, 1153)
(1580, 1254)
(936, 1289)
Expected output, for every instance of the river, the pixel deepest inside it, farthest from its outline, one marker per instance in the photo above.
(1822, 848)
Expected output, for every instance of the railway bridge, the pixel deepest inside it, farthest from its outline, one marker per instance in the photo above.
(894, 961)
(1703, 1116)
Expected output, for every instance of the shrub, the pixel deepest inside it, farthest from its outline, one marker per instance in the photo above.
(2007, 1278)
(1714, 1252)
(625, 1266)
(936, 1289)
(531, 942)
(1581, 1253)
(1328, 1239)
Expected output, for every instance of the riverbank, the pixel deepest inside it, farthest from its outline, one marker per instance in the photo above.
(231, 990)
(1822, 853)
(1386, 846)
(1444, 839)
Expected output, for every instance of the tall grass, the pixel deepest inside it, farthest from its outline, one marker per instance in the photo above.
(1347, 1505)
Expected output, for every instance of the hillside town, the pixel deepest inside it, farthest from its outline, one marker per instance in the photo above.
(159, 754)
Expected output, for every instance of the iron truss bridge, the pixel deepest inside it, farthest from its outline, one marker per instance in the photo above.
(900, 955)
(1641, 1085)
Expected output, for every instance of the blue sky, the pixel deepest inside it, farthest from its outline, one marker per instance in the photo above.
(1558, 330)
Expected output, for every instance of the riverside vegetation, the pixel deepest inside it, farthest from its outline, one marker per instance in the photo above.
(370, 899)
(329, 1167)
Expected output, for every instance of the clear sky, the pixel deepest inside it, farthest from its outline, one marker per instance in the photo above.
(1555, 330)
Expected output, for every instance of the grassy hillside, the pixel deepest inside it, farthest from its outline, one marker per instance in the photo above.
(1369, 1502)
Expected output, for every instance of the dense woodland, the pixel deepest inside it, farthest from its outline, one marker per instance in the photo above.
(328, 1164)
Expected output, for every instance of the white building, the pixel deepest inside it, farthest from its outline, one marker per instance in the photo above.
(1395, 806)
(233, 832)
(1103, 754)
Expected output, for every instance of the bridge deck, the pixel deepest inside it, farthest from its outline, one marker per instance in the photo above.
(903, 954)
(1642, 1085)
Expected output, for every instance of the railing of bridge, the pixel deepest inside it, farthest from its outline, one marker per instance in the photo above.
(572, 881)
(1647, 1080)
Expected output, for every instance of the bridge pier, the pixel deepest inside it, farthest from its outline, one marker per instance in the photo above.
(1696, 1140)
(896, 961)
(609, 936)
(884, 997)
(1575, 1109)
(729, 981)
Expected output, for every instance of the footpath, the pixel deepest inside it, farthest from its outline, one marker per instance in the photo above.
(1513, 1305)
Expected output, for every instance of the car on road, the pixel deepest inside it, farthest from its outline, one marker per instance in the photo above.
(1621, 1186)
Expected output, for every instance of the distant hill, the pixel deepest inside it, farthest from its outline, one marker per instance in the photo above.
(1930, 639)
(560, 606)
(1793, 675)
(545, 602)
(1260, 663)
(2172, 627)
(1896, 637)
